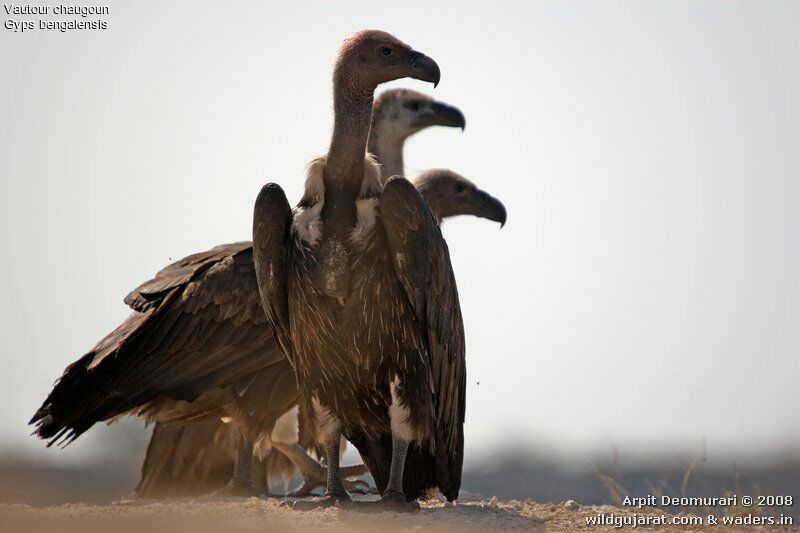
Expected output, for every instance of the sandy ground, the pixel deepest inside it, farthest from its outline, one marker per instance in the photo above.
(269, 515)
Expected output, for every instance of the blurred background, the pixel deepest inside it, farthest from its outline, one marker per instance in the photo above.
(637, 321)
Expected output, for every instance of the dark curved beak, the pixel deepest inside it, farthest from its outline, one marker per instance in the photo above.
(424, 68)
(447, 115)
(487, 206)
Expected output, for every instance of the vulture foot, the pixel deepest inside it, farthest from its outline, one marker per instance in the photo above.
(356, 486)
(391, 501)
(331, 500)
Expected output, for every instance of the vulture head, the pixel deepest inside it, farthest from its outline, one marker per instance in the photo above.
(400, 113)
(374, 57)
(449, 194)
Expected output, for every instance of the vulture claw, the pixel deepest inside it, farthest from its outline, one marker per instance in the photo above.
(356, 486)
(390, 501)
(334, 500)
(318, 478)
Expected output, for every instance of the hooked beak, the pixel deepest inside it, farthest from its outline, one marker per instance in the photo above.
(447, 115)
(487, 206)
(424, 68)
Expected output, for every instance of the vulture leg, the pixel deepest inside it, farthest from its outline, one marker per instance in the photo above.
(259, 477)
(241, 482)
(285, 439)
(335, 494)
(315, 475)
(335, 487)
(393, 498)
(394, 489)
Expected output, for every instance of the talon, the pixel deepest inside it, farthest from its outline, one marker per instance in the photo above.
(315, 480)
(390, 501)
(340, 500)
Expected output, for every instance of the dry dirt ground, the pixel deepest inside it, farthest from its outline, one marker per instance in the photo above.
(269, 515)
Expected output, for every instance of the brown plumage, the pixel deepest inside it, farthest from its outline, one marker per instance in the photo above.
(178, 453)
(195, 348)
(187, 460)
(199, 310)
(358, 288)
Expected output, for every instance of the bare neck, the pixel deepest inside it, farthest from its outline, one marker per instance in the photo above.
(388, 149)
(342, 176)
(352, 106)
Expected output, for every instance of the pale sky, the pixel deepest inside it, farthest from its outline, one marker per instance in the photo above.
(644, 291)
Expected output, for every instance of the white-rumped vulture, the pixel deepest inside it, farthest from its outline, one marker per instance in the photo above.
(197, 458)
(196, 348)
(357, 285)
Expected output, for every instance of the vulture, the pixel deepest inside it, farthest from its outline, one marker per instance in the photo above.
(196, 348)
(358, 288)
(197, 458)
(396, 115)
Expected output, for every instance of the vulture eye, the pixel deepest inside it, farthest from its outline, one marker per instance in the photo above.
(414, 106)
(385, 50)
(459, 188)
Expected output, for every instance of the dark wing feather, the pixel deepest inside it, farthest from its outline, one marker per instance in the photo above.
(201, 327)
(151, 293)
(422, 263)
(263, 395)
(272, 221)
(187, 460)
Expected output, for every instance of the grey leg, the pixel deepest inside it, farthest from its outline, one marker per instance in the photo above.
(314, 474)
(335, 494)
(335, 487)
(399, 451)
(393, 498)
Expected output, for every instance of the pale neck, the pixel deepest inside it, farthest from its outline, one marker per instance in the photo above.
(389, 152)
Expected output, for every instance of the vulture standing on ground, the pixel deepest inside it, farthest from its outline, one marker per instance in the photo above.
(357, 285)
(197, 458)
(196, 347)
